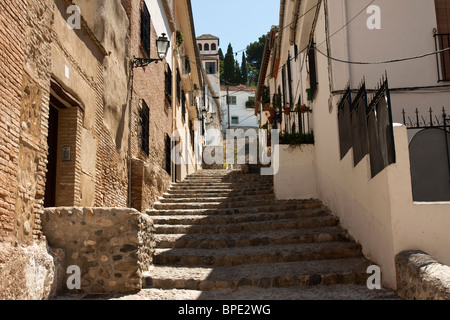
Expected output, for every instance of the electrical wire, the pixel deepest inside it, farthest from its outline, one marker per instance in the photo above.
(385, 61)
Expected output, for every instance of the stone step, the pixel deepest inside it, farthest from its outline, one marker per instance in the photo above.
(216, 193)
(266, 275)
(281, 206)
(239, 187)
(238, 218)
(247, 239)
(235, 179)
(253, 255)
(313, 222)
(214, 198)
(343, 292)
(212, 205)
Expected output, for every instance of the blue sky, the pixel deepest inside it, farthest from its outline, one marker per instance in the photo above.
(239, 22)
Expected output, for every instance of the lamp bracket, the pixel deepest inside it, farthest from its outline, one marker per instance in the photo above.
(143, 62)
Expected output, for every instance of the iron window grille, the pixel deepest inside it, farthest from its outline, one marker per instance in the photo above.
(145, 29)
(145, 128)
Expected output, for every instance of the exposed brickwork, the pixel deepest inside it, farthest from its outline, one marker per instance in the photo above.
(149, 85)
(24, 57)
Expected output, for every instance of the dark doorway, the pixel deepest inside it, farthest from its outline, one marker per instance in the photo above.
(52, 140)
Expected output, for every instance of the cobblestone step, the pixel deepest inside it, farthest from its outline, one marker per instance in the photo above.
(343, 292)
(247, 239)
(265, 275)
(217, 193)
(212, 205)
(314, 222)
(254, 255)
(280, 207)
(214, 198)
(221, 232)
(237, 218)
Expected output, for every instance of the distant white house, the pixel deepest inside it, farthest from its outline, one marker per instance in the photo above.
(240, 112)
(208, 46)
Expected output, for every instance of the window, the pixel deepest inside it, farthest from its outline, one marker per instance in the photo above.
(145, 29)
(312, 72)
(187, 65)
(145, 128)
(213, 47)
(178, 86)
(210, 67)
(168, 84)
(200, 47)
(232, 100)
(168, 164)
(183, 105)
(443, 37)
(206, 47)
(234, 120)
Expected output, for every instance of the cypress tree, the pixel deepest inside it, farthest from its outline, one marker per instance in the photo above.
(229, 66)
(237, 74)
(244, 70)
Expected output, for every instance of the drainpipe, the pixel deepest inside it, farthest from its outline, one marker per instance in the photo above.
(130, 132)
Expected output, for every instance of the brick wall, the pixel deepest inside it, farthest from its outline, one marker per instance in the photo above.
(149, 85)
(24, 73)
(24, 98)
(11, 73)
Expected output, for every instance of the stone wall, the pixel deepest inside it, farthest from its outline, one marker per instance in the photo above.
(110, 246)
(26, 269)
(421, 277)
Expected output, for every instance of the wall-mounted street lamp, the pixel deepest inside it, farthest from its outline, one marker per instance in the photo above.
(162, 45)
(204, 114)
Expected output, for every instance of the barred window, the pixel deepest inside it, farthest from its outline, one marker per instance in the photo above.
(145, 29)
(312, 71)
(145, 128)
(168, 143)
(168, 84)
(210, 67)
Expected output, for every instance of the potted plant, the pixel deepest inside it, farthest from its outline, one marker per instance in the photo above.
(287, 110)
(303, 108)
(180, 38)
(272, 111)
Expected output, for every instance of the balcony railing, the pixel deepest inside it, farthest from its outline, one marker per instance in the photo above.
(443, 58)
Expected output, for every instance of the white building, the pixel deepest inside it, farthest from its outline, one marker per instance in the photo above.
(208, 46)
(324, 47)
(241, 107)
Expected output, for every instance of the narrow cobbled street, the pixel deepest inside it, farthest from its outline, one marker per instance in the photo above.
(222, 235)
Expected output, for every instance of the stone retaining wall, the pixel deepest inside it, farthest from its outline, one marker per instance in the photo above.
(110, 246)
(421, 277)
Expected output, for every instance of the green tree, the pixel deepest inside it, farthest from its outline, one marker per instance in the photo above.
(244, 69)
(237, 74)
(221, 63)
(229, 73)
(255, 52)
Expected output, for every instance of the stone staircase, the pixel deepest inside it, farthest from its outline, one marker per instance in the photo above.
(223, 235)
